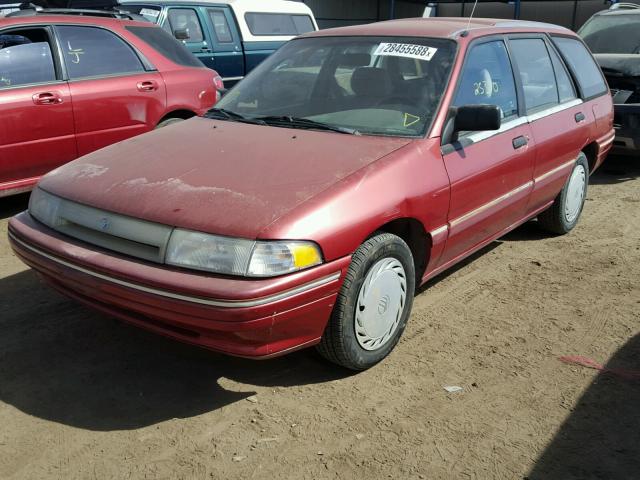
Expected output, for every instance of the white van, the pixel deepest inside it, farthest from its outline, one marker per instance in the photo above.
(230, 36)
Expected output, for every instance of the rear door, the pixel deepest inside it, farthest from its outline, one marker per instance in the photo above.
(227, 46)
(36, 116)
(559, 122)
(490, 172)
(114, 96)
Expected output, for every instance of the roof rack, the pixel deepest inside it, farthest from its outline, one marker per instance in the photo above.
(624, 6)
(29, 10)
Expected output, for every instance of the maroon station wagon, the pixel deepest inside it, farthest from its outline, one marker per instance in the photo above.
(347, 169)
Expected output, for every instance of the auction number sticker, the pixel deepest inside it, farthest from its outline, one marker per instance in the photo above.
(148, 12)
(408, 50)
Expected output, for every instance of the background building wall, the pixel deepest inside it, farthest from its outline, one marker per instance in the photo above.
(336, 13)
(559, 12)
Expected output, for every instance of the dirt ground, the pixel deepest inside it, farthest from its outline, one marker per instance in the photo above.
(83, 396)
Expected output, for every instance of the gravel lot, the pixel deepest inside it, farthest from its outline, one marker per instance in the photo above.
(83, 396)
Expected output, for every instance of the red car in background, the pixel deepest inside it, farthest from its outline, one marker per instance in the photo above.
(72, 84)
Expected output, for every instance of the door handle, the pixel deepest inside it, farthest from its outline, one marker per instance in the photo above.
(580, 117)
(47, 98)
(519, 142)
(147, 86)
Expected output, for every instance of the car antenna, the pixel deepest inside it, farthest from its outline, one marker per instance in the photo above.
(473, 10)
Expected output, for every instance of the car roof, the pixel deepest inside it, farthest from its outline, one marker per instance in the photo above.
(44, 18)
(445, 27)
(619, 11)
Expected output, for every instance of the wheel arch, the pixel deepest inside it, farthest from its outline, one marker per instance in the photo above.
(591, 152)
(412, 231)
(182, 113)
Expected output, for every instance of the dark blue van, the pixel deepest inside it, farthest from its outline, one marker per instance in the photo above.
(229, 36)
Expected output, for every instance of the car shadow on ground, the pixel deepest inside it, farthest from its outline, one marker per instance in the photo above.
(65, 363)
(601, 437)
(9, 206)
(617, 169)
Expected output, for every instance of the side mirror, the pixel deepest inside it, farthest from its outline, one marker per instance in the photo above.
(471, 118)
(181, 33)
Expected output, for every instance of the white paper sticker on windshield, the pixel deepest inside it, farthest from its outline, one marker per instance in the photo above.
(148, 12)
(408, 50)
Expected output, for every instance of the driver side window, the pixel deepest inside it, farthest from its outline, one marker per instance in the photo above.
(487, 78)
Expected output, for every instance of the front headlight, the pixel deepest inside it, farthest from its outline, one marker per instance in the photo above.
(236, 256)
(44, 207)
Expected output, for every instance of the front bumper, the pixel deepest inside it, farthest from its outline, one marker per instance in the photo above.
(244, 317)
(627, 125)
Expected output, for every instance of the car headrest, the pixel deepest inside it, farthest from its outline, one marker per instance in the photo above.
(486, 81)
(370, 81)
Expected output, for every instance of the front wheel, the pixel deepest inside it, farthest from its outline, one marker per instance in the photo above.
(563, 215)
(373, 304)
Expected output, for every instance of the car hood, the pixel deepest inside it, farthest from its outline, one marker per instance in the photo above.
(618, 64)
(215, 176)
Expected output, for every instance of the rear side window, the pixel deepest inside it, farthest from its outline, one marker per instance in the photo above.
(220, 26)
(536, 72)
(278, 23)
(584, 68)
(487, 78)
(25, 59)
(166, 45)
(186, 19)
(94, 52)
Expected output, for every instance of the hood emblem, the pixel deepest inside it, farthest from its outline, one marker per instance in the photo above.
(383, 305)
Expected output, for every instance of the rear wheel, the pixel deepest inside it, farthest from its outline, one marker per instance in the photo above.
(565, 212)
(373, 305)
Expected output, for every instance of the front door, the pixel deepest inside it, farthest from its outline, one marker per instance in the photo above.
(36, 116)
(114, 97)
(490, 172)
(184, 22)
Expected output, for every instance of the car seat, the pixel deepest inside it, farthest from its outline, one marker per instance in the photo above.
(370, 85)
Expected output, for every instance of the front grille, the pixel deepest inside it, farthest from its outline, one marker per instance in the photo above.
(127, 235)
(624, 90)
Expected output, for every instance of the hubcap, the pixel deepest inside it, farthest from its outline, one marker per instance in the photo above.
(380, 303)
(575, 193)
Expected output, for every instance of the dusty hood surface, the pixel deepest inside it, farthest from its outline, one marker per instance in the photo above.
(215, 176)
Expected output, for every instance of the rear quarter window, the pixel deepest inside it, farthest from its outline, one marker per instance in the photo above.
(166, 45)
(583, 66)
(278, 23)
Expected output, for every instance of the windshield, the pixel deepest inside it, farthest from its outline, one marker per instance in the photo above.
(365, 85)
(149, 12)
(612, 33)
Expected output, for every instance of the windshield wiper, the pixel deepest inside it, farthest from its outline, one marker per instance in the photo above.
(228, 114)
(223, 114)
(305, 123)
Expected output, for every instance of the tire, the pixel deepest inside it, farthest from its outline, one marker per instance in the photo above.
(373, 305)
(563, 215)
(168, 121)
